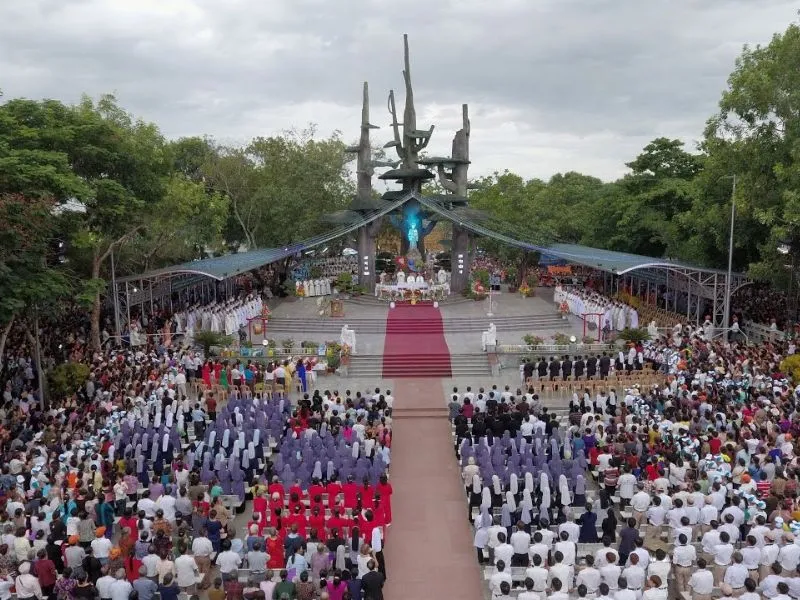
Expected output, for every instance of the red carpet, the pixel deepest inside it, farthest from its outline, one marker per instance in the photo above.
(415, 344)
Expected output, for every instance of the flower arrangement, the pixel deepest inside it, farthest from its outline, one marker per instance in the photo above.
(524, 289)
(300, 289)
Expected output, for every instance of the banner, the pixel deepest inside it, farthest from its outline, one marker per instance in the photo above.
(559, 270)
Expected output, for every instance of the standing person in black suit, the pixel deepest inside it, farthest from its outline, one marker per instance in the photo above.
(580, 367)
(527, 371)
(605, 366)
(566, 367)
(555, 368)
(591, 366)
(372, 582)
(541, 368)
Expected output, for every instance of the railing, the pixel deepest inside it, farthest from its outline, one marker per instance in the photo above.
(758, 332)
(549, 348)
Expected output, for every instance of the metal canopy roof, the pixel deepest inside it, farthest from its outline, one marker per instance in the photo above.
(610, 261)
(230, 265)
(224, 267)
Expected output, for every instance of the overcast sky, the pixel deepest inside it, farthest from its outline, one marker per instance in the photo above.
(553, 85)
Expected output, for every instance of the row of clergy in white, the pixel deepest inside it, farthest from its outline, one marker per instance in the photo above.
(313, 287)
(221, 317)
(616, 315)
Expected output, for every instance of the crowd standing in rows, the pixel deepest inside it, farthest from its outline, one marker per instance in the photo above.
(686, 486)
(94, 504)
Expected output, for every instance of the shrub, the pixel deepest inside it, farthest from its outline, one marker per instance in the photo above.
(790, 366)
(634, 334)
(288, 343)
(532, 340)
(344, 283)
(561, 339)
(206, 339)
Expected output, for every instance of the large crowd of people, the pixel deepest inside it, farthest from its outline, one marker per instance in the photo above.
(688, 487)
(168, 473)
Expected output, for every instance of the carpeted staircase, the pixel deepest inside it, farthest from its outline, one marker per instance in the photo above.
(415, 345)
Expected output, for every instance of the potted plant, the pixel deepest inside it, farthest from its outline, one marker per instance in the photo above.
(211, 339)
(333, 355)
(290, 289)
(634, 335)
(288, 344)
(532, 340)
(344, 283)
(588, 339)
(561, 339)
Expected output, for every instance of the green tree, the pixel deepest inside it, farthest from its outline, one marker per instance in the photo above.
(26, 279)
(756, 135)
(278, 187)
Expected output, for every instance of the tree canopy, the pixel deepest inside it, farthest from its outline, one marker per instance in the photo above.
(101, 181)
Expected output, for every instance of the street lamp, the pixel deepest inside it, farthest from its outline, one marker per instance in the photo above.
(784, 249)
(727, 304)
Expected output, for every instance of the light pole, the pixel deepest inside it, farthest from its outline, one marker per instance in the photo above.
(726, 315)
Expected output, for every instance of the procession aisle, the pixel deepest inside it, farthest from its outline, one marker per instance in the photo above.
(429, 553)
(415, 345)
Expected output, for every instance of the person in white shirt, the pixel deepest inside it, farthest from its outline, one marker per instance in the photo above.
(228, 560)
(559, 592)
(656, 517)
(610, 574)
(602, 558)
(723, 554)
(783, 591)
(187, 573)
(149, 507)
(572, 529)
(500, 576)
(103, 584)
(730, 528)
(710, 539)
(589, 576)
(538, 575)
(101, 545)
(494, 541)
(736, 574)
(539, 548)
(166, 504)
(480, 542)
(768, 586)
(655, 588)
(603, 592)
(661, 566)
(684, 556)
(750, 594)
(121, 589)
(529, 594)
(634, 574)
(769, 555)
(562, 572)
(626, 486)
(751, 556)
(567, 548)
(504, 551)
(701, 583)
(640, 502)
(789, 554)
(623, 592)
(520, 542)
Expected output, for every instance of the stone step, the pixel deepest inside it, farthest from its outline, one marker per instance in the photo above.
(519, 324)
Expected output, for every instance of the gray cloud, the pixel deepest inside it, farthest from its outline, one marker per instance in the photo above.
(553, 85)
